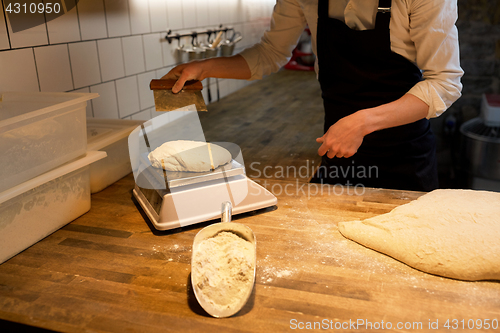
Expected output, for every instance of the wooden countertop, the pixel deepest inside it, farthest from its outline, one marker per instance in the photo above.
(109, 271)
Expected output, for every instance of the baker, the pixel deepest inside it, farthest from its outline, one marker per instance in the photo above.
(384, 70)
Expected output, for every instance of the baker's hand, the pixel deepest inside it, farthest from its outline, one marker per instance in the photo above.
(343, 138)
(193, 70)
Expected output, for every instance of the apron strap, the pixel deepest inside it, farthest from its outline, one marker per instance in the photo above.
(323, 8)
(383, 17)
(384, 6)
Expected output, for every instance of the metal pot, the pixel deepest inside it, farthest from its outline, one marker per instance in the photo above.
(481, 149)
(227, 47)
(195, 53)
(210, 52)
(180, 55)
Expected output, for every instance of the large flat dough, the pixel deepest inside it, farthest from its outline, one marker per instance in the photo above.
(186, 155)
(452, 233)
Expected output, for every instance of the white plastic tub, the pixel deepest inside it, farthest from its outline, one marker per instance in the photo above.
(111, 136)
(39, 132)
(36, 208)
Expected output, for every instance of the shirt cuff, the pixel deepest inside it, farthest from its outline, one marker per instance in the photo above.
(251, 56)
(428, 94)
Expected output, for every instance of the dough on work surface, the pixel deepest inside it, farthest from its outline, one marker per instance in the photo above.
(452, 233)
(185, 155)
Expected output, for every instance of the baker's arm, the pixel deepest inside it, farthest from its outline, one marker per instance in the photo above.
(267, 56)
(435, 36)
(276, 45)
(234, 67)
(433, 31)
(345, 136)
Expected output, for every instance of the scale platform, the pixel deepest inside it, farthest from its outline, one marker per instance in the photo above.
(189, 197)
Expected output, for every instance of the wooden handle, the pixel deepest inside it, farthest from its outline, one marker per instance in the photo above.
(167, 84)
(217, 40)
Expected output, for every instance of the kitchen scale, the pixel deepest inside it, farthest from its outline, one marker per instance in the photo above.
(177, 199)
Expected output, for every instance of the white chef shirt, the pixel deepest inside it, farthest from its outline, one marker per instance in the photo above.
(423, 31)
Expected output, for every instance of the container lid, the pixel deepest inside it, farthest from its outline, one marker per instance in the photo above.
(91, 157)
(19, 106)
(104, 132)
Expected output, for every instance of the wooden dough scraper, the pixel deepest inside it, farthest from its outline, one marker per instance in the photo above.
(166, 100)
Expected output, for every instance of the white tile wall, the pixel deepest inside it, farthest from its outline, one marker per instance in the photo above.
(119, 69)
(133, 54)
(54, 70)
(117, 17)
(4, 37)
(225, 9)
(84, 63)
(92, 19)
(162, 71)
(18, 71)
(202, 18)
(158, 15)
(128, 96)
(106, 105)
(223, 88)
(139, 16)
(146, 98)
(244, 13)
(152, 51)
(168, 51)
(166, 115)
(204, 93)
(89, 112)
(29, 37)
(211, 91)
(65, 28)
(174, 12)
(213, 12)
(143, 115)
(111, 58)
(189, 13)
(246, 41)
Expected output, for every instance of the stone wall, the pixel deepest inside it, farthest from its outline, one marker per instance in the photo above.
(479, 36)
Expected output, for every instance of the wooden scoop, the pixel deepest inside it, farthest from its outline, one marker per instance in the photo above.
(209, 232)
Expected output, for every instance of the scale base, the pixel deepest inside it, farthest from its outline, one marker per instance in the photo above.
(195, 204)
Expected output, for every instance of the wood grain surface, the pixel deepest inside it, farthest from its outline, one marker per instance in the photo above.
(110, 271)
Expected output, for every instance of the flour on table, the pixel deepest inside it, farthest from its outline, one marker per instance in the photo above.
(186, 155)
(452, 233)
(223, 270)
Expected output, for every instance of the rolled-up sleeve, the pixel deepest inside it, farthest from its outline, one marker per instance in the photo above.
(276, 46)
(433, 31)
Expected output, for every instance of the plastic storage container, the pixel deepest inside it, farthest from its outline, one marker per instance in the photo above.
(40, 206)
(111, 136)
(39, 132)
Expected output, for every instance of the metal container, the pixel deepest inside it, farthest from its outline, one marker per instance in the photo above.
(227, 49)
(210, 53)
(180, 55)
(196, 53)
(481, 149)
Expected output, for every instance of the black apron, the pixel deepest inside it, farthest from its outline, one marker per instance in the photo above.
(358, 70)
